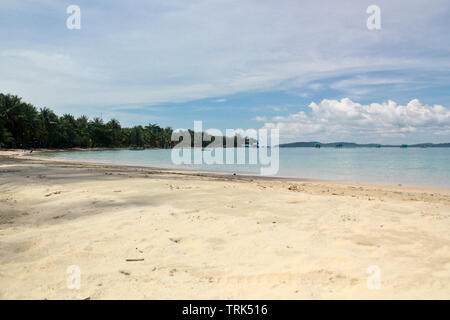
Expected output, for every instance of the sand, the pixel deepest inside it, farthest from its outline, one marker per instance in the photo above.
(215, 236)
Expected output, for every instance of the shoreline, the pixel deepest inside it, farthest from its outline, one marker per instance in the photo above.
(25, 155)
(142, 233)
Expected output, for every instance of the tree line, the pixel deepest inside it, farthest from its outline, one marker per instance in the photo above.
(22, 125)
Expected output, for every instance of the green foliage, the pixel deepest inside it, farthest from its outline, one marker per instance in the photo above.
(21, 125)
(18, 120)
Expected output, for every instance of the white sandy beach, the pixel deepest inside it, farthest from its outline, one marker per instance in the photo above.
(214, 236)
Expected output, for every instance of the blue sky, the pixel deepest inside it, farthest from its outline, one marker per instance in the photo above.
(238, 64)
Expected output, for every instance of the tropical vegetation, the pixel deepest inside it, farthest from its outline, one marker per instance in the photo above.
(22, 125)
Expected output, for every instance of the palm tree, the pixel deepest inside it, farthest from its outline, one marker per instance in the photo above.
(49, 132)
(137, 136)
(116, 132)
(21, 123)
(153, 134)
(68, 130)
(83, 137)
(168, 137)
(98, 133)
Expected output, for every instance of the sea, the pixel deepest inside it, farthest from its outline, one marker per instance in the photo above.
(386, 165)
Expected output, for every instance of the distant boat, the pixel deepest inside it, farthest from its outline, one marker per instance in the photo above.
(317, 145)
(404, 146)
(378, 146)
(339, 145)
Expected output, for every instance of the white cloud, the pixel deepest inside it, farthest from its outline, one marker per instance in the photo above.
(260, 119)
(359, 81)
(279, 109)
(333, 119)
(362, 85)
(315, 86)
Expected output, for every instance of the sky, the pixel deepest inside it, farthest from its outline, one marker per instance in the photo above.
(312, 69)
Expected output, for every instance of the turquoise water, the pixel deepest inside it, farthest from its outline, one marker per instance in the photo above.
(410, 166)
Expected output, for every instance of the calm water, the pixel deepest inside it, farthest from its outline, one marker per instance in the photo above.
(410, 166)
